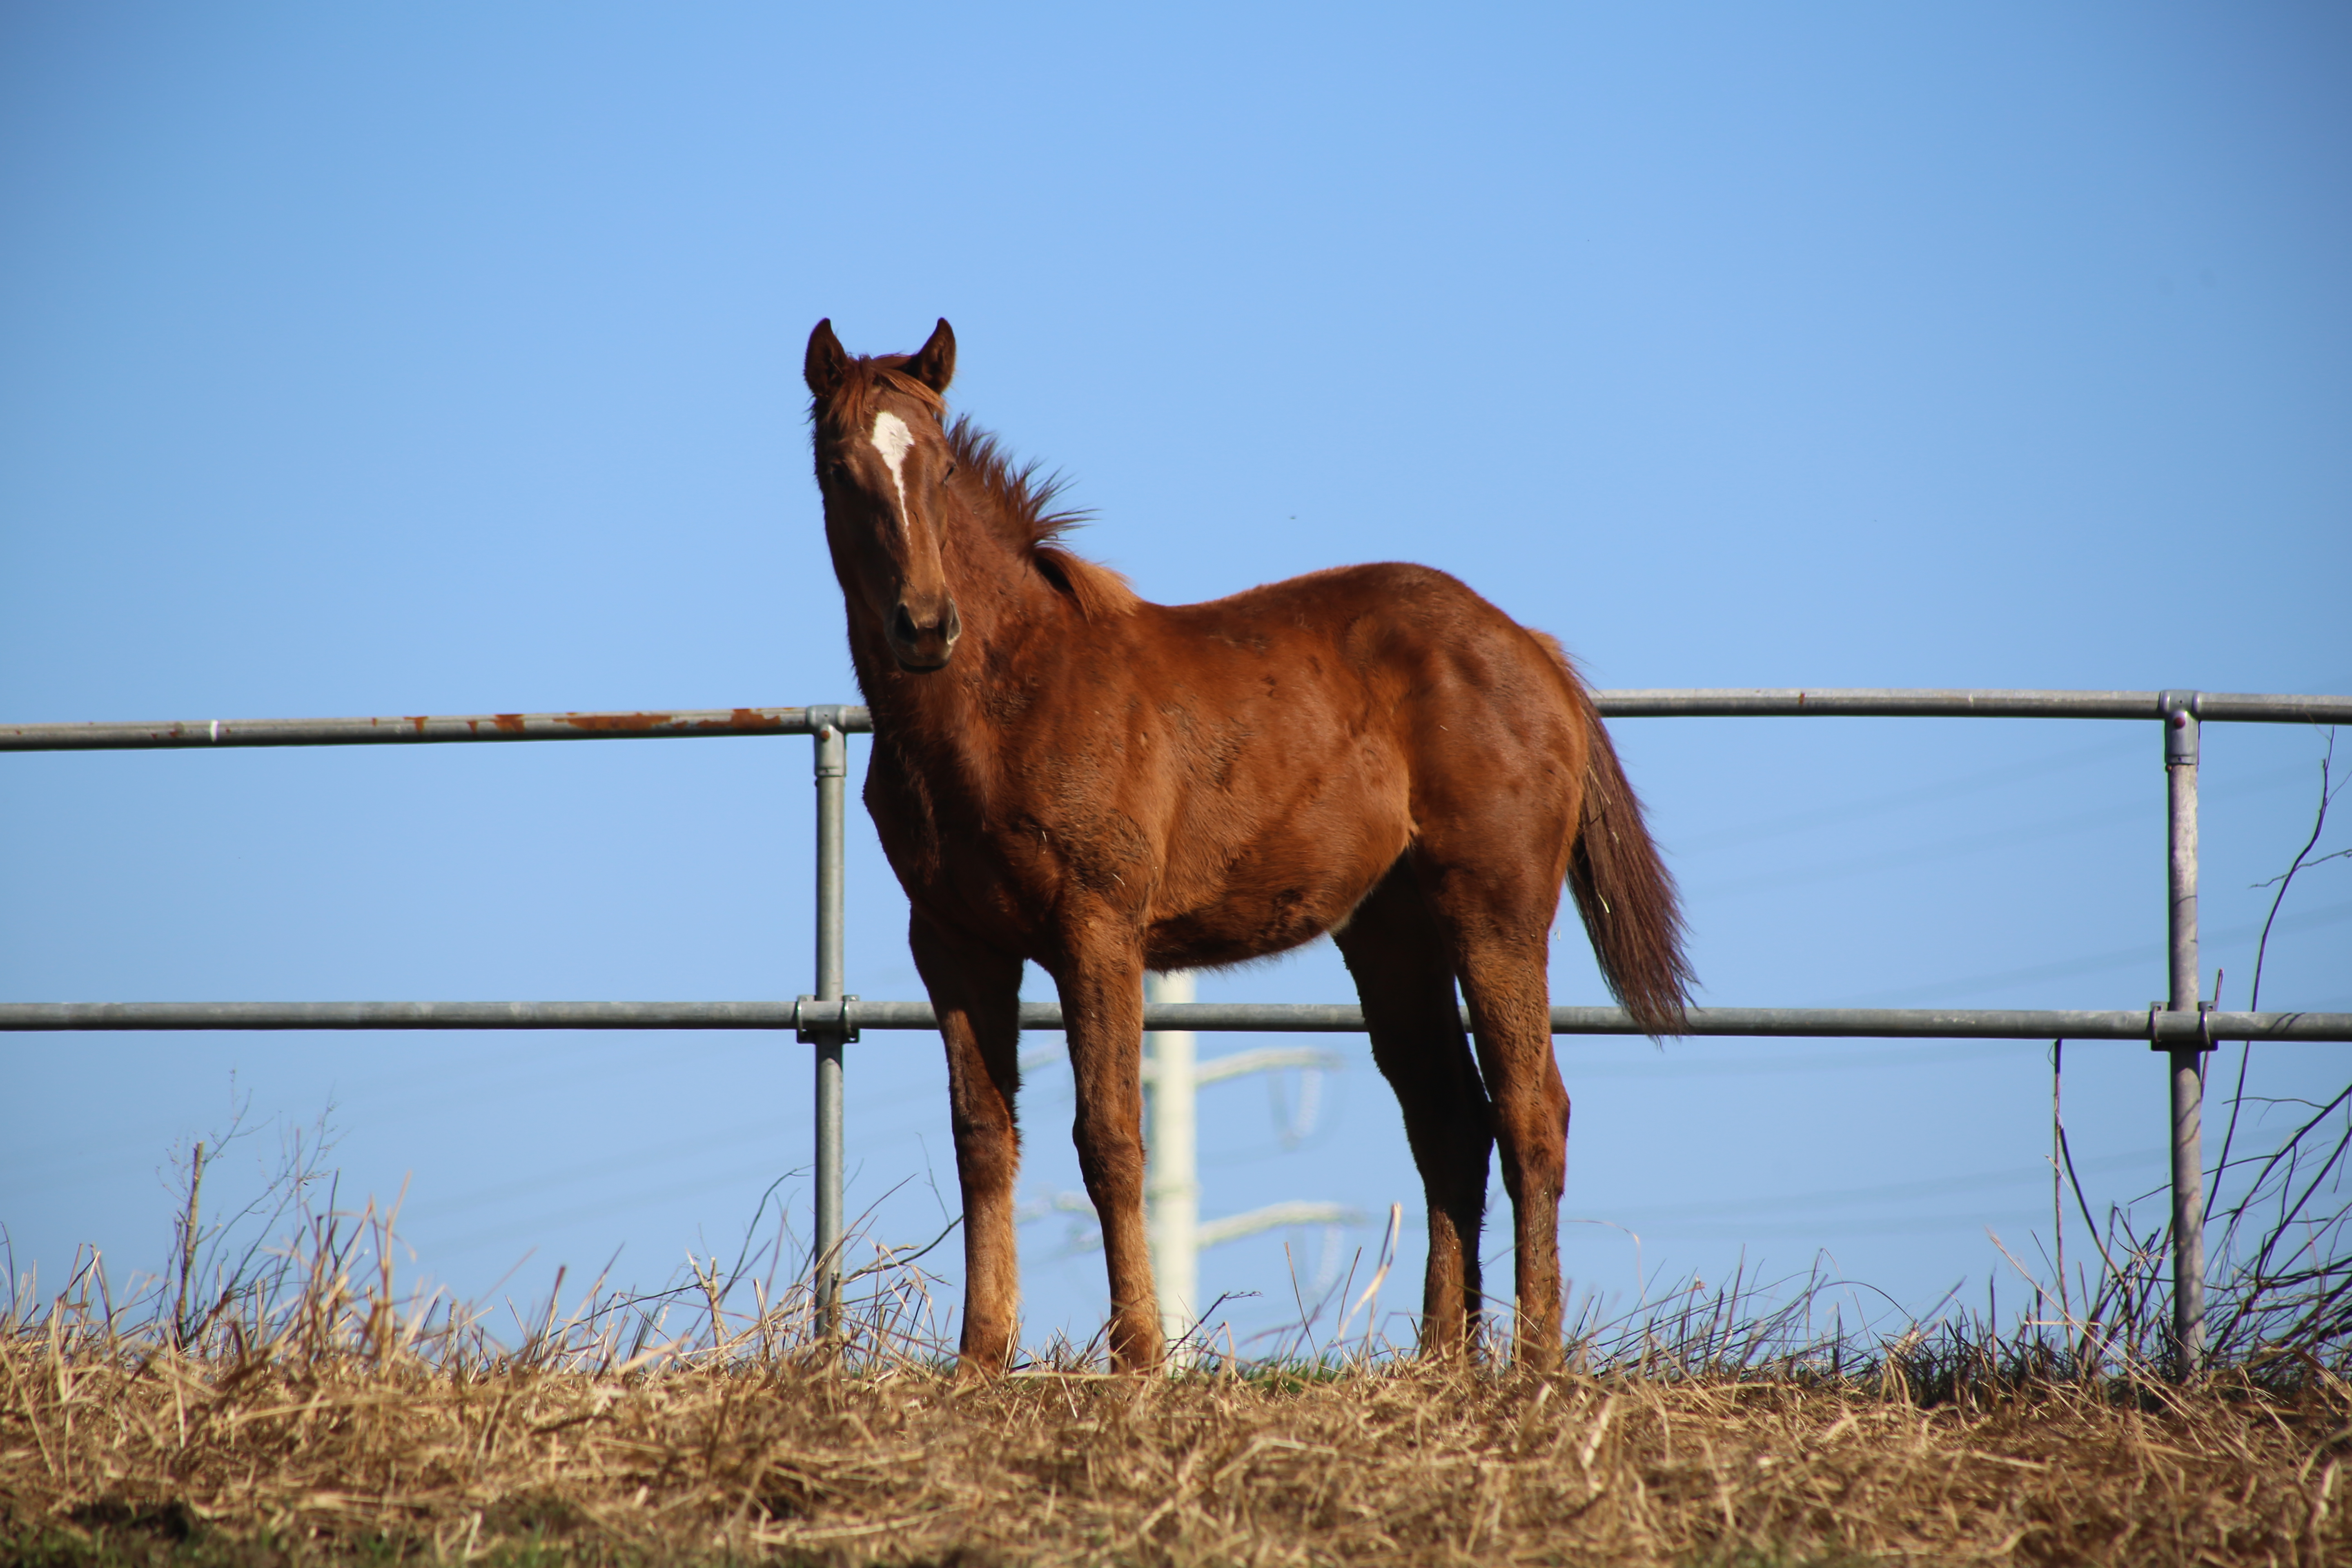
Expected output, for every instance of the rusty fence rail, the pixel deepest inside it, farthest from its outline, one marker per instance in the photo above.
(1724, 702)
(2183, 1026)
(204, 734)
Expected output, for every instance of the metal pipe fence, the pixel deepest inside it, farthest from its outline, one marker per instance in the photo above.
(2147, 1026)
(2183, 1026)
(1704, 702)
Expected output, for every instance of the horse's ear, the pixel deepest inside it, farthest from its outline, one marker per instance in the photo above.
(934, 362)
(826, 360)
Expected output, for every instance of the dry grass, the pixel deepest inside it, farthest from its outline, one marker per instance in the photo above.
(785, 1461)
(335, 1421)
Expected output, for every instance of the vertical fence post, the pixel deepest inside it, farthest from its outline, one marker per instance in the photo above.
(1172, 1185)
(2187, 1061)
(831, 776)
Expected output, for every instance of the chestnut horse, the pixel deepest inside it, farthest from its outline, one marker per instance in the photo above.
(1066, 774)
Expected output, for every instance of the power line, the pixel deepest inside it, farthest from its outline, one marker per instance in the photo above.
(1966, 843)
(1889, 1191)
(2111, 749)
(2089, 963)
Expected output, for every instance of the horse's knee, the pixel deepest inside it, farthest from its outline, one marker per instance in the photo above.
(988, 1152)
(1110, 1157)
(1117, 1172)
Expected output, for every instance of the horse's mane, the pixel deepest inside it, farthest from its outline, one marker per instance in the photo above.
(1027, 519)
(1024, 516)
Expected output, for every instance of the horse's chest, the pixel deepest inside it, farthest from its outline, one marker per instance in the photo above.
(1003, 869)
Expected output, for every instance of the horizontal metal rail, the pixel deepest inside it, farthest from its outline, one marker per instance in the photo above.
(2156, 1026)
(204, 733)
(2242, 707)
(1792, 702)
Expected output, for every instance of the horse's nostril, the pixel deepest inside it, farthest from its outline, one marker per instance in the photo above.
(953, 625)
(902, 626)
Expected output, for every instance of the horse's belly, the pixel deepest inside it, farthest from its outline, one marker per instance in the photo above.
(1278, 891)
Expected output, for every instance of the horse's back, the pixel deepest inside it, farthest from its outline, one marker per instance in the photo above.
(1326, 724)
(1404, 643)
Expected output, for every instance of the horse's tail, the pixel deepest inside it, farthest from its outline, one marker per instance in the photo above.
(1623, 888)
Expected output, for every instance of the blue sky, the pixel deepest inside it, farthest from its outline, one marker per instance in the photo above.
(444, 359)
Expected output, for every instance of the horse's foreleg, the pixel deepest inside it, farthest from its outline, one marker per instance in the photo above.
(977, 995)
(1102, 1007)
(1404, 974)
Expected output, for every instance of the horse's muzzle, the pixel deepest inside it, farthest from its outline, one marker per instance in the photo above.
(918, 646)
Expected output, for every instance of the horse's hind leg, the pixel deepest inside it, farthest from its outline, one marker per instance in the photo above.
(1505, 982)
(1505, 985)
(1495, 901)
(977, 995)
(1404, 972)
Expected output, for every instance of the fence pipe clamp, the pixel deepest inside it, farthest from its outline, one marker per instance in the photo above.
(818, 1021)
(2170, 1030)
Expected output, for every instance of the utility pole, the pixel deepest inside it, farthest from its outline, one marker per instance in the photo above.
(1173, 1077)
(1172, 1181)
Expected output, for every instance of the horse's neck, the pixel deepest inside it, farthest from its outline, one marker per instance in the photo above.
(943, 726)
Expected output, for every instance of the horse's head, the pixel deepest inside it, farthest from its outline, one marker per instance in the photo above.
(883, 462)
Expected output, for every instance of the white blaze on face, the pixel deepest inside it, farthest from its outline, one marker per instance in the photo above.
(893, 440)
